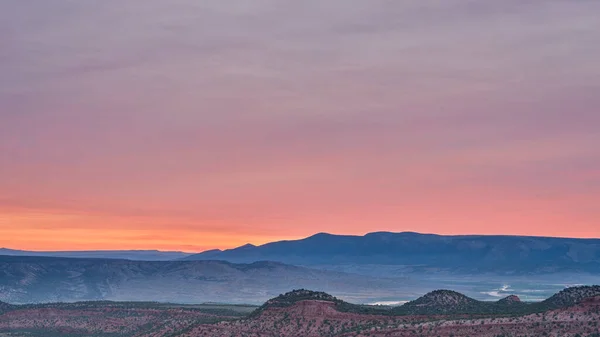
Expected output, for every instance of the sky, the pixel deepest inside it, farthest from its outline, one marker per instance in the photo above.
(191, 125)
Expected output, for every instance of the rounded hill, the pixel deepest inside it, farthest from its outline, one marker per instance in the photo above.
(571, 296)
(510, 300)
(440, 302)
(299, 295)
(294, 296)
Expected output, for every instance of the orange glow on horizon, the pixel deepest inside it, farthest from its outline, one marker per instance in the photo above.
(55, 231)
(52, 230)
(212, 126)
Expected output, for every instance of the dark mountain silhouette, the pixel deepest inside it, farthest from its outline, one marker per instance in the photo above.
(427, 252)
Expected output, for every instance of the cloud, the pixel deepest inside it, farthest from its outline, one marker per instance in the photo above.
(304, 114)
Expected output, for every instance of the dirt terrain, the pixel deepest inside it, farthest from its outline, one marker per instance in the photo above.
(112, 319)
(318, 318)
(305, 313)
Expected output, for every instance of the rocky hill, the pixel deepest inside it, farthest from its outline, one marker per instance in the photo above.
(510, 300)
(570, 296)
(300, 295)
(294, 296)
(312, 314)
(448, 302)
(116, 319)
(440, 302)
(443, 298)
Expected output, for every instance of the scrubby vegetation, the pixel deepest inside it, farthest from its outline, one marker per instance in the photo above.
(568, 297)
(442, 302)
(447, 302)
(5, 307)
(572, 312)
(295, 296)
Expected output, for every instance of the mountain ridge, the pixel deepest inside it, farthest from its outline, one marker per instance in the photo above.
(134, 255)
(424, 252)
(26, 279)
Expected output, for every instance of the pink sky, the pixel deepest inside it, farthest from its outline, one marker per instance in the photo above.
(192, 125)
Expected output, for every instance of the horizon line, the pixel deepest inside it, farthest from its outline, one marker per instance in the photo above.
(297, 239)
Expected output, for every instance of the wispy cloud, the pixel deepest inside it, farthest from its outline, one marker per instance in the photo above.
(295, 117)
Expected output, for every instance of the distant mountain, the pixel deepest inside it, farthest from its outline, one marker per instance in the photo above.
(416, 252)
(49, 279)
(137, 255)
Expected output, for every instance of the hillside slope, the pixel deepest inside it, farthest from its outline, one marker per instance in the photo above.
(315, 314)
(570, 296)
(448, 302)
(46, 279)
